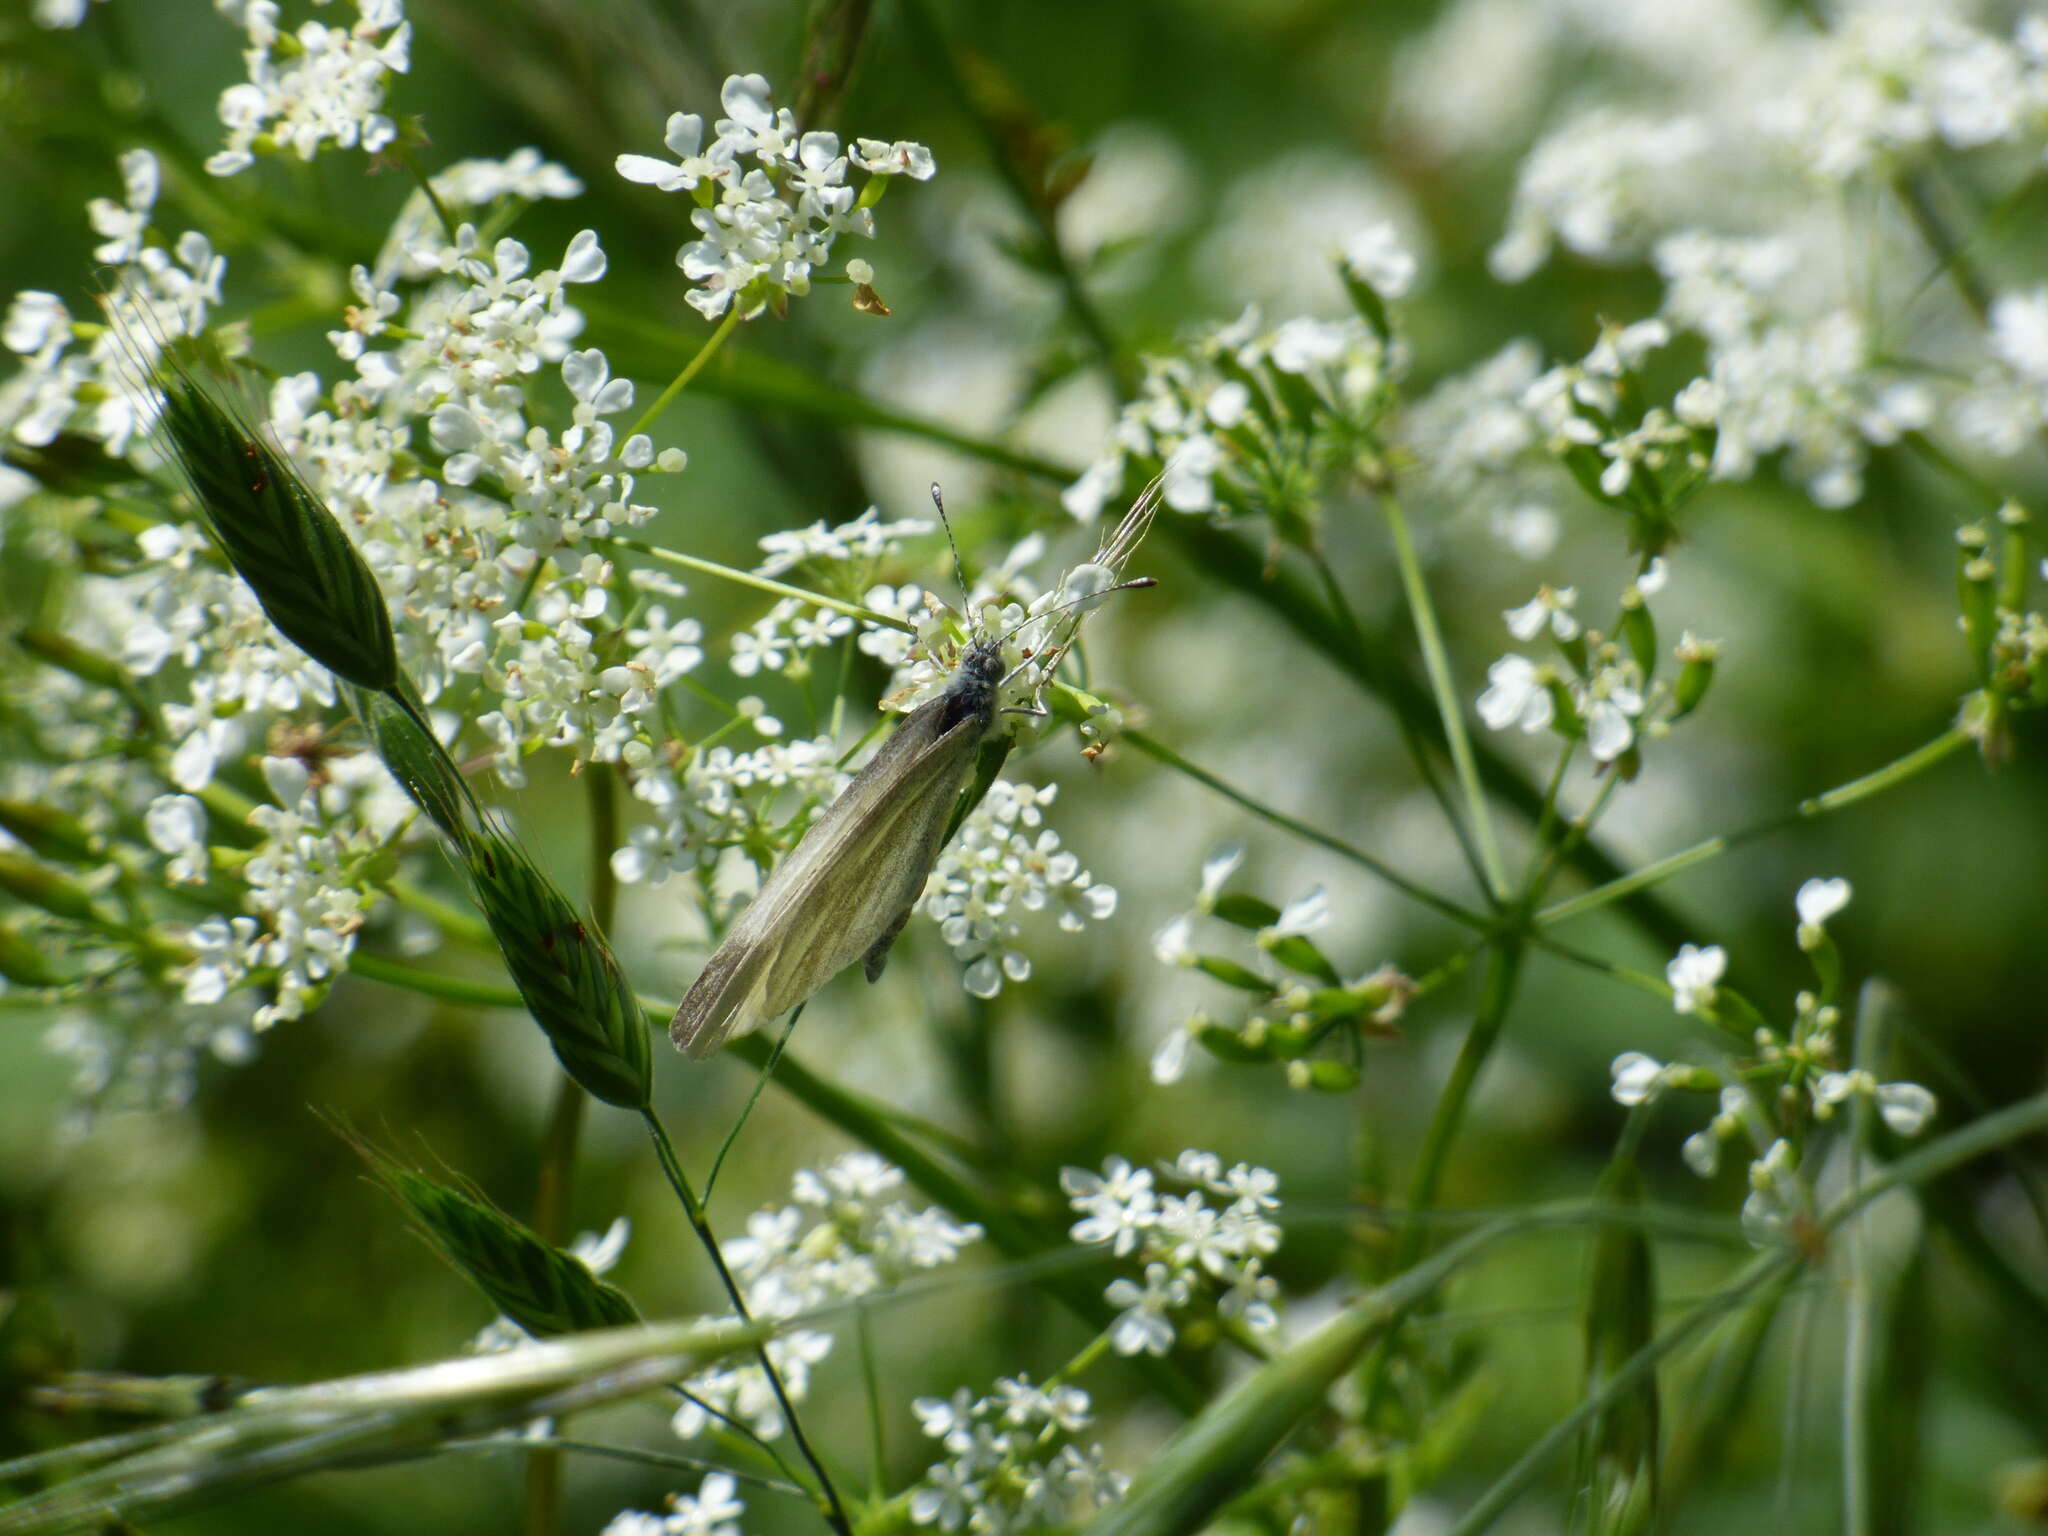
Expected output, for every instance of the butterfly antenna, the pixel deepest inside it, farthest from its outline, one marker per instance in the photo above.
(1136, 583)
(959, 570)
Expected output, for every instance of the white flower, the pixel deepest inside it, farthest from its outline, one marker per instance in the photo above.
(714, 1510)
(1692, 976)
(1379, 257)
(1170, 1059)
(327, 88)
(1303, 915)
(995, 873)
(1171, 946)
(1142, 1327)
(1817, 901)
(176, 825)
(1117, 1206)
(766, 226)
(1518, 693)
(1599, 186)
(1551, 606)
(1636, 1078)
(1906, 1107)
(1702, 1153)
(2019, 333)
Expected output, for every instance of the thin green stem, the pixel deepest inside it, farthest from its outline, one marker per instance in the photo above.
(1411, 738)
(1436, 663)
(871, 1382)
(760, 583)
(1842, 795)
(1156, 749)
(1496, 994)
(627, 1453)
(760, 1082)
(1859, 1320)
(690, 370)
(1949, 252)
(1540, 856)
(553, 1201)
(828, 1501)
(453, 921)
(411, 162)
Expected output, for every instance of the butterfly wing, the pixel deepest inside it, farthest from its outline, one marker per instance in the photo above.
(843, 886)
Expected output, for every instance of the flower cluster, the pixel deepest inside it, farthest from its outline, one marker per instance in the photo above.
(714, 1510)
(859, 542)
(715, 798)
(843, 1237)
(1305, 1007)
(1606, 693)
(1012, 1461)
(767, 227)
(321, 85)
(1006, 862)
(1888, 84)
(1188, 1249)
(153, 296)
(1251, 418)
(302, 881)
(1787, 1084)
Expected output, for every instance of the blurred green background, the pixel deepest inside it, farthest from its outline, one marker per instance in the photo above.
(242, 1237)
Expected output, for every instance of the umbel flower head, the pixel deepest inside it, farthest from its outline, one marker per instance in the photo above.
(768, 226)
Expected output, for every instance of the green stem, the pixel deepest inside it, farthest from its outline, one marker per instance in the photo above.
(1911, 190)
(412, 164)
(626, 1453)
(827, 1496)
(760, 1082)
(553, 1197)
(641, 347)
(1842, 795)
(760, 583)
(871, 1381)
(1154, 748)
(681, 381)
(1859, 1305)
(453, 921)
(1496, 994)
(1411, 738)
(1436, 663)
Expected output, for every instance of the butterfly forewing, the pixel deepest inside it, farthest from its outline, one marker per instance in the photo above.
(844, 885)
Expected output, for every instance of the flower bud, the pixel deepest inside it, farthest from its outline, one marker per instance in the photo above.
(1696, 659)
